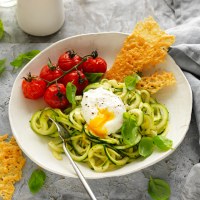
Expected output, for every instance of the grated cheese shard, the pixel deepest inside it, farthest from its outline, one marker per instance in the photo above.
(144, 48)
(156, 81)
(11, 164)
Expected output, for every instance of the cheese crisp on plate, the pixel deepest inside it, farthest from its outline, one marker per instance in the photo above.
(146, 47)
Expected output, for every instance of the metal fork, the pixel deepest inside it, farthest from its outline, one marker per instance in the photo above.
(63, 135)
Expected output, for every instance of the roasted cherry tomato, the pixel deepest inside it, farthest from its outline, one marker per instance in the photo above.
(68, 60)
(55, 96)
(50, 72)
(94, 64)
(77, 78)
(33, 87)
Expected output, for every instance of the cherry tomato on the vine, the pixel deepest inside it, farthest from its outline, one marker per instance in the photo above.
(95, 64)
(50, 72)
(68, 60)
(55, 96)
(77, 78)
(33, 87)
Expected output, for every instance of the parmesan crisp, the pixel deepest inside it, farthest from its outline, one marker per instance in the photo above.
(156, 81)
(11, 164)
(146, 47)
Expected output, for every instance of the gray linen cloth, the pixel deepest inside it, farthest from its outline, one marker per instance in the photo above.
(186, 53)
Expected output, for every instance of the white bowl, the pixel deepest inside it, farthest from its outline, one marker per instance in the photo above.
(178, 100)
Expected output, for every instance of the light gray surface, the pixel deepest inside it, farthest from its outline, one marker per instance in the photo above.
(86, 16)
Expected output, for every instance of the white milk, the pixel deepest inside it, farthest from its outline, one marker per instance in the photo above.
(7, 3)
(40, 17)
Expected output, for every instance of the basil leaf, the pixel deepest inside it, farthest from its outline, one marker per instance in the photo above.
(131, 81)
(146, 146)
(129, 129)
(36, 180)
(71, 93)
(159, 189)
(162, 142)
(24, 58)
(1, 29)
(2, 66)
(93, 77)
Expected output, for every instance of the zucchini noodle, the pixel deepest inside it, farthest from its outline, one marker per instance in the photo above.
(103, 154)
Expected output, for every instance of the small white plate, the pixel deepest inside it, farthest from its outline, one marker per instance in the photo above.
(178, 100)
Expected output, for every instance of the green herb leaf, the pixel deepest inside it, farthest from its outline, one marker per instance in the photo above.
(1, 29)
(162, 142)
(71, 93)
(129, 129)
(131, 81)
(93, 77)
(2, 66)
(159, 189)
(146, 146)
(36, 180)
(24, 58)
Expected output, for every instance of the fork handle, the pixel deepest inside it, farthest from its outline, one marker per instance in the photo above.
(80, 175)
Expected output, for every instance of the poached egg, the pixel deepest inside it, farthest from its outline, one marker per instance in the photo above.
(102, 111)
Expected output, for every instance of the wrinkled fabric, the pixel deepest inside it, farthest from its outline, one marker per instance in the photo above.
(186, 53)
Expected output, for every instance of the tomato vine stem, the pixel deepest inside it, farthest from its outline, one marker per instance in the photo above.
(66, 72)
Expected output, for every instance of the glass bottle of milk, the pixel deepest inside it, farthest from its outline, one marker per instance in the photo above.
(40, 17)
(7, 3)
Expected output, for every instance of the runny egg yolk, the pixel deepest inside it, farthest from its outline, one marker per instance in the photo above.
(96, 125)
